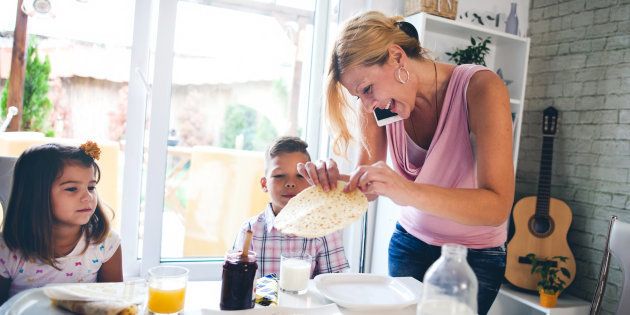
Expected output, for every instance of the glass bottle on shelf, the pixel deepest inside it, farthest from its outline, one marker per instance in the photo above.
(511, 24)
(450, 285)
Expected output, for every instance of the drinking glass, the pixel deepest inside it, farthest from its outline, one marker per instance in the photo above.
(167, 289)
(135, 290)
(295, 271)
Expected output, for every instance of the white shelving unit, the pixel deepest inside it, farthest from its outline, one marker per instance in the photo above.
(510, 301)
(507, 52)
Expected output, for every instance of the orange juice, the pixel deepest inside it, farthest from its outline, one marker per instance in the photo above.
(166, 301)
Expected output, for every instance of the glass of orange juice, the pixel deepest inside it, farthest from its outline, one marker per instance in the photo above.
(167, 289)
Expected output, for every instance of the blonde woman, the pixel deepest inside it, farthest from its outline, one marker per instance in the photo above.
(452, 169)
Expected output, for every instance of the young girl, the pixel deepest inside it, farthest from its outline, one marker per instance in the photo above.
(55, 229)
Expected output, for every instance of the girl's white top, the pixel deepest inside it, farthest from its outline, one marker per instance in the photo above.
(78, 266)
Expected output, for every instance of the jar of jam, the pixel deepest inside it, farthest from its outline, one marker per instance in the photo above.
(237, 286)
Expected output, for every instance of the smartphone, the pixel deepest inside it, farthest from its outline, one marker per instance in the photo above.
(385, 116)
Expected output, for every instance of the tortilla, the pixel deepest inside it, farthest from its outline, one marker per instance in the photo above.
(98, 307)
(111, 298)
(315, 213)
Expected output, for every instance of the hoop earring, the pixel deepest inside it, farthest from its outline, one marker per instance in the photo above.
(399, 78)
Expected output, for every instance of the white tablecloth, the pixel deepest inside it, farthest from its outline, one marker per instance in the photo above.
(202, 297)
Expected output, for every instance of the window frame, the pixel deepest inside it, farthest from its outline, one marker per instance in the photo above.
(139, 96)
(158, 97)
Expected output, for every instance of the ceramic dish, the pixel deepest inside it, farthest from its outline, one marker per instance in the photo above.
(30, 302)
(365, 291)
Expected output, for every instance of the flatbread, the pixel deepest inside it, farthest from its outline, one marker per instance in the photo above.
(133, 291)
(98, 307)
(315, 213)
(110, 298)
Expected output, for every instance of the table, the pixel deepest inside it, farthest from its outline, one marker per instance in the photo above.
(200, 293)
(202, 298)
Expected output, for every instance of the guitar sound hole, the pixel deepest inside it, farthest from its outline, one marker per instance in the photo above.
(541, 226)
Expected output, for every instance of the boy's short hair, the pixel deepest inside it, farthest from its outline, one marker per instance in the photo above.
(286, 144)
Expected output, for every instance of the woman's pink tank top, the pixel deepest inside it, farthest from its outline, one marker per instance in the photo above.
(449, 162)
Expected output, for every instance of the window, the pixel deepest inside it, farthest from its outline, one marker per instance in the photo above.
(87, 82)
(183, 96)
(228, 77)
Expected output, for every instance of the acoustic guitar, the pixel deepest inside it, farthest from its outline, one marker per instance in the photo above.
(541, 222)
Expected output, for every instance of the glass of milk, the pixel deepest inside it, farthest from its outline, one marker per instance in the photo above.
(295, 271)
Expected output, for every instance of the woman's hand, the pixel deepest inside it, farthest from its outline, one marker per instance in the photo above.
(379, 179)
(324, 173)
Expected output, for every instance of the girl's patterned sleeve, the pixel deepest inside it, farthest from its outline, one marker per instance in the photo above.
(8, 261)
(109, 246)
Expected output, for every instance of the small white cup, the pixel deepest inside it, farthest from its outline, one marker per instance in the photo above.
(295, 271)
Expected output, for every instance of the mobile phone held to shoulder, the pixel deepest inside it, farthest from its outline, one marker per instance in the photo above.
(385, 116)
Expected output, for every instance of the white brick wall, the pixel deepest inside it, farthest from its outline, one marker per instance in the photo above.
(580, 64)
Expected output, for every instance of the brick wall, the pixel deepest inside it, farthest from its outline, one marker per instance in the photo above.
(580, 64)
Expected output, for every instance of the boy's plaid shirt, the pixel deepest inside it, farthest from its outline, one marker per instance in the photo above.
(268, 243)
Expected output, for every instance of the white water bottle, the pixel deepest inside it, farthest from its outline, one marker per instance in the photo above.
(450, 285)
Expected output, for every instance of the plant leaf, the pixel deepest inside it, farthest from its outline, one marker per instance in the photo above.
(565, 272)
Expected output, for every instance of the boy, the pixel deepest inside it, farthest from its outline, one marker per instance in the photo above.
(282, 182)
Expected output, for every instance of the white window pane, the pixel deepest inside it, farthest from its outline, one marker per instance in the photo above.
(87, 83)
(240, 79)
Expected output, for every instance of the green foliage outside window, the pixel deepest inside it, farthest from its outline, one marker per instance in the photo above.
(36, 106)
(257, 130)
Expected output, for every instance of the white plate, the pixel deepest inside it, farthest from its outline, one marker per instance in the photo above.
(30, 302)
(37, 301)
(330, 309)
(362, 291)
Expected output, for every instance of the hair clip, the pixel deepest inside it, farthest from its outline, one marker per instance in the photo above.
(408, 29)
(91, 149)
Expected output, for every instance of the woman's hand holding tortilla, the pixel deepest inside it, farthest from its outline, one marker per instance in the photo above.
(324, 173)
(379, 179)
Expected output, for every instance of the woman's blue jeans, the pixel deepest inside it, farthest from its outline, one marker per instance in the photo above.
(411, 257)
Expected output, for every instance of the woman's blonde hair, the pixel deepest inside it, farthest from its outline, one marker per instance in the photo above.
(364, 41)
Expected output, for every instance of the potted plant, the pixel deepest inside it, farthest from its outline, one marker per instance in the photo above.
(551, 283)
(473, 54)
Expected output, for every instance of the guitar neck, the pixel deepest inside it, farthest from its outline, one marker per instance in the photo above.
(544, 180)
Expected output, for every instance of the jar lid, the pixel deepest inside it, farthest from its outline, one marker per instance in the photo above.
(236, 255)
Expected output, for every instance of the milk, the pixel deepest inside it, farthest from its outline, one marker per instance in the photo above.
(294, 274)
(443, 307)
